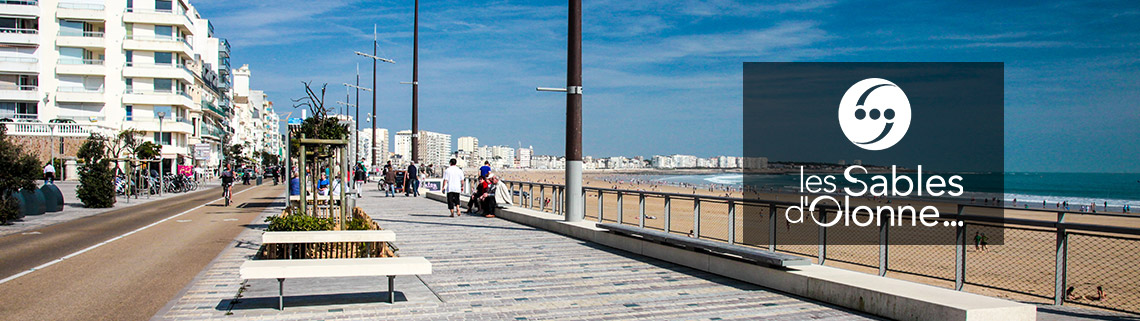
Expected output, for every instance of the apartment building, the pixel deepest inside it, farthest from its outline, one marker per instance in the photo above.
(114, 65)
(435, 148)
(380, 147)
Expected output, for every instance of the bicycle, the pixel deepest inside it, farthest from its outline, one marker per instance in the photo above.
(227, 192)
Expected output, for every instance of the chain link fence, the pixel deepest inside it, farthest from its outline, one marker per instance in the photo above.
(1110, 262)
(1024, 263)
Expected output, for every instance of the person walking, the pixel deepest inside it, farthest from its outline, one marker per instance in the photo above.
(49, 173)
(412, 181)
(358, 177)
(452, 185)
(389, 180)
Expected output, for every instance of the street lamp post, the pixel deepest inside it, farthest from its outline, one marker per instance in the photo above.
(575, 199)
(161, 164)
(416, 84)
(374, 58)
(357, 105)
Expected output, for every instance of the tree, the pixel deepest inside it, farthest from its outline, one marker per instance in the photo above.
(318, 126)
(148, 150)
(19, 172)
(268, 159)
(96, 186)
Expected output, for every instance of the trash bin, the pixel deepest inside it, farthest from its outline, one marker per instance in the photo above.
(53, 198)
(259, 180)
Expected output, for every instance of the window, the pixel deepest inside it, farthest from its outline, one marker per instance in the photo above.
(130, 26)
(163, 58)
(71, 56)
(130, 58)
(71, 28)
(164, 32)
(162, 138)
(130, 5)
(130, 87)
(163, 5)
(130, 112)
(163, 85)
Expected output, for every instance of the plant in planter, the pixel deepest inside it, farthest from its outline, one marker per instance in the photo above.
(20, 171)
(96, 184)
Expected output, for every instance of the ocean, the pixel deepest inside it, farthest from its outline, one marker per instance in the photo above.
(1075, 188)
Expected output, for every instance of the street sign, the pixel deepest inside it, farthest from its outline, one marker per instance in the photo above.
(202, 151)
(294, 122)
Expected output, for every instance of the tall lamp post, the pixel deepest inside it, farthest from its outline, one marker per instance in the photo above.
(575, 199)
(416, 84)
(161, 163)
(374, 60)
(356, 153)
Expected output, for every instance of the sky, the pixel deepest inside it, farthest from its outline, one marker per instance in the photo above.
(664, 77)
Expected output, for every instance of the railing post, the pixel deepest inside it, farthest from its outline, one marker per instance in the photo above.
(621, 212)
(731, 222)
(821, 253)
(542, 202)
(959, 253)
(641, 210)
(696, 217)
(530, 197)
(1059, 279)
(771, 227)
(668, 213)
(600, 215)
(884, 249)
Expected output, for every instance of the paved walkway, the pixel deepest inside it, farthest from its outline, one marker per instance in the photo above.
(73, 207)
(490, 269)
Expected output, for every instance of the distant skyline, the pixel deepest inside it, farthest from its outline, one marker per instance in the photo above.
(664, 77)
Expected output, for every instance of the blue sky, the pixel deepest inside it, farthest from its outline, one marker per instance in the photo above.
(663, 77)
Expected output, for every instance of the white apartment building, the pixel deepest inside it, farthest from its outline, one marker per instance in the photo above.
(114, 65)
(435, 148)
(380, 147)
(524, 156)
(256, 125)
(468, 144)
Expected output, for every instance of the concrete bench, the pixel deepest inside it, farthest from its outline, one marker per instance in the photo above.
(328, 268)
(757, 255)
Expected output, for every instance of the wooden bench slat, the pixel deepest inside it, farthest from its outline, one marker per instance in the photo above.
(320, 268)
(761, 256)
(328, 236)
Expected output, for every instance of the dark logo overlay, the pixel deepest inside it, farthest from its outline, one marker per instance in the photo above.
(873, 153)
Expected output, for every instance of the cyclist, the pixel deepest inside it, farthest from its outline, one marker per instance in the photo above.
(227, 183)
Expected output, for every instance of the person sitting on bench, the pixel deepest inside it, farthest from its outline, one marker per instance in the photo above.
(480, 188)
(489, 204)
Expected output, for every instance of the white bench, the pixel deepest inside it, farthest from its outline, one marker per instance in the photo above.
(327, 268)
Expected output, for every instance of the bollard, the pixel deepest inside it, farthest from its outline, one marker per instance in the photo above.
(21, 210)
(53, 198)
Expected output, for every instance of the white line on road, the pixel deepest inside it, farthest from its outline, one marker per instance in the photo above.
(53, 262)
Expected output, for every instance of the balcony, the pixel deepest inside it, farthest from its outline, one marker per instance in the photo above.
(219, 111)
(23, 8)
(21, 65)
(79, 95)
(81, 11)
(19, 92)
(81, 39)
(159, 17)
(211, 131)
(22, 36)
(150, 124)
(157, 98)
(153, 43)
(76, 66)
(55, 129)
(152, 70)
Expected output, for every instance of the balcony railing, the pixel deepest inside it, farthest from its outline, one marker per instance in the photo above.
(28, 31)
(18, 87)
(88, 34)
(19, 59)
(84, 6)
(36, 128)
(76, 89)
(20, 2)
(78, 61)
(131, 91)
(161, 11)
(161, 38)
(154, 65)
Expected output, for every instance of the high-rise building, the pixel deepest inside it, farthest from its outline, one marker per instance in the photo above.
(468, 144)
(114, 65)
(524, 156)
(435, 148)
(380, 147)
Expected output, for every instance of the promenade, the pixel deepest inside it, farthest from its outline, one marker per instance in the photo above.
(487, 269)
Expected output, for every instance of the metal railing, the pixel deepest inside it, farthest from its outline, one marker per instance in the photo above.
(78, 89)
(28, 31)
(20, 59)
(20, 2)
(87, 34)
(85, 6)
(161, 38)
(18, 87)
(1046, 260)
(79, 61)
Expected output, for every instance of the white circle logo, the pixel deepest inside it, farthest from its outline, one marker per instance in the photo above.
(874, 114)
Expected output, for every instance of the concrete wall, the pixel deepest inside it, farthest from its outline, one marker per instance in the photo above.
(886, 297)
(41, 146)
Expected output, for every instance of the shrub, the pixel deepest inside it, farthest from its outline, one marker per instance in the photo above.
(96, 184)
(299, 223)
(18, 170)
(357, 223)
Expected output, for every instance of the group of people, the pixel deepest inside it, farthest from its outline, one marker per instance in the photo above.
(409, 181)
(482, 201)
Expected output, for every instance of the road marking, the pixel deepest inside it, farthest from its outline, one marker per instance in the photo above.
(53, 262)
(229, 219)
(183, 221)
(31, 233)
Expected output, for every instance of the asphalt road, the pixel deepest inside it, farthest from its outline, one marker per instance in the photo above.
(130, 278)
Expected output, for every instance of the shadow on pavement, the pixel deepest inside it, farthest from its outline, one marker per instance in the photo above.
(293, 301)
